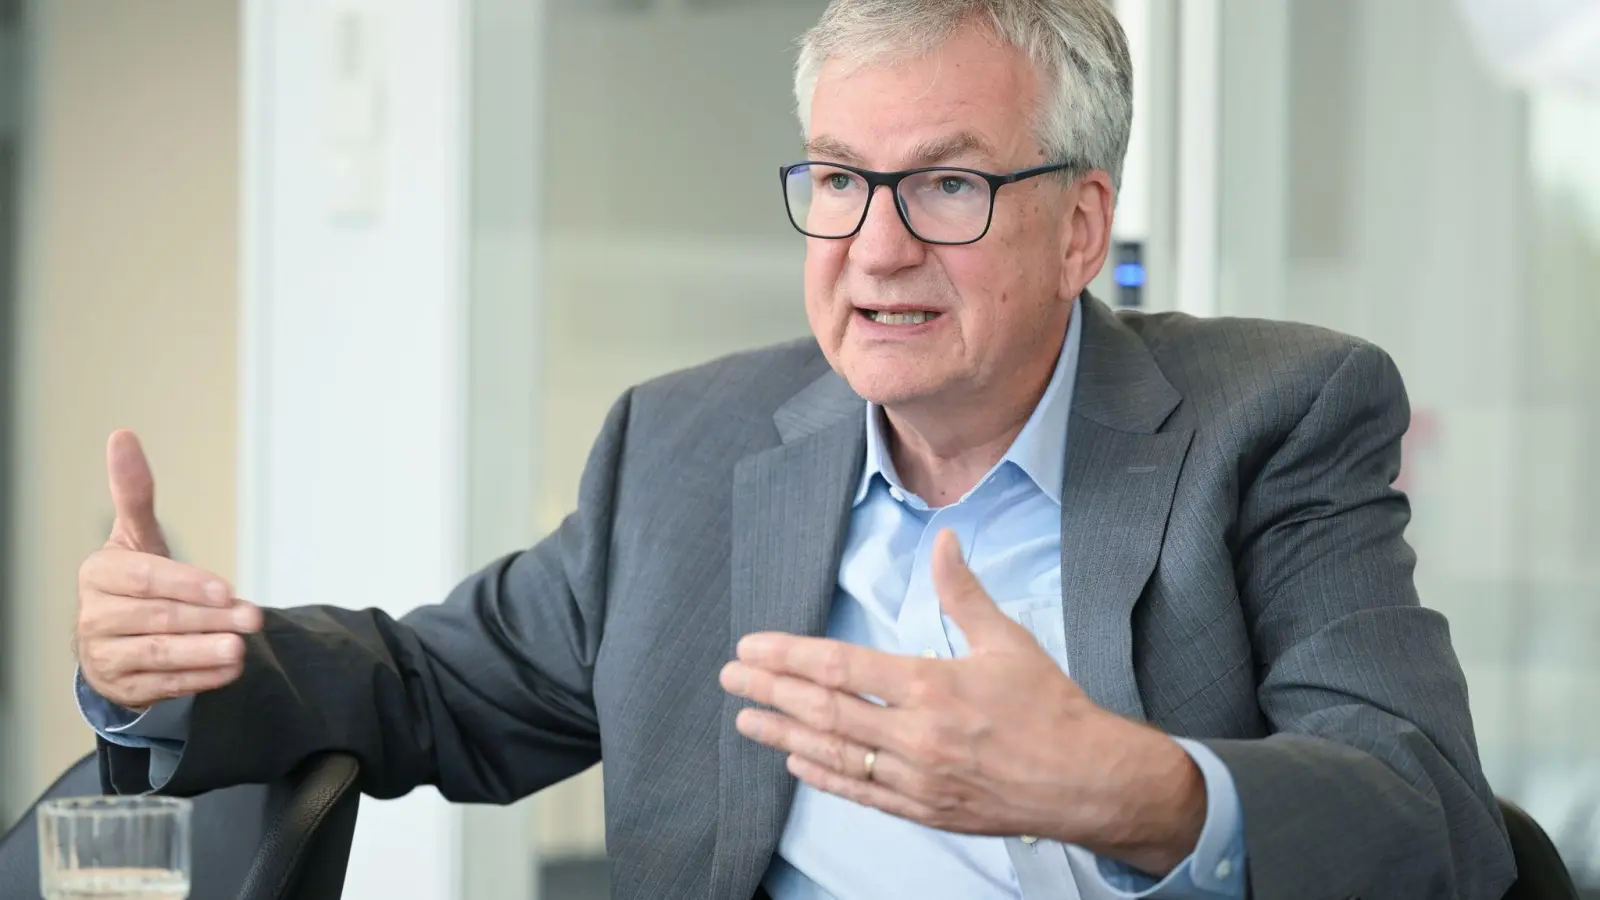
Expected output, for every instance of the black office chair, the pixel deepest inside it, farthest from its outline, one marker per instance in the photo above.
(1541, 873)
(252, 842)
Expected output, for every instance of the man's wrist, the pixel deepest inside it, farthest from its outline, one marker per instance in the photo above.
(1156, 822)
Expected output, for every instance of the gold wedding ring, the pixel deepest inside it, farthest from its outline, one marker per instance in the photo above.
(870, 761)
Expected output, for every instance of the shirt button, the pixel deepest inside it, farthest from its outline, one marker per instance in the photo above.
(897, 494)
(1029, 839)
(930, 653)
(1224, 869)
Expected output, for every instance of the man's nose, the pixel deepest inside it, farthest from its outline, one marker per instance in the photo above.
(884, 244)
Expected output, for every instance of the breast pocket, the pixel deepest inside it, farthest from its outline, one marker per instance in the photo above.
(1041, 614)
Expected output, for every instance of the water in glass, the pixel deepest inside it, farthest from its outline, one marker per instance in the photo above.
(114, 848)
(121, 884)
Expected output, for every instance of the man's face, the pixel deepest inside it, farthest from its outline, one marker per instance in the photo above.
(1001, 303)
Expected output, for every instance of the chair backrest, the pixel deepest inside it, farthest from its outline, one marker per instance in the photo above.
(1541, 873)
(286, 840)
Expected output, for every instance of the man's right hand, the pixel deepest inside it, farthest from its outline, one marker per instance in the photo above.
(150, 628)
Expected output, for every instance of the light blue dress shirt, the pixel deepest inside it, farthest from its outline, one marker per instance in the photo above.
(1010, 531)
(162, 729)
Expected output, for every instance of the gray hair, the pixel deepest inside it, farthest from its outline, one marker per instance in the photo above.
(1077, 46)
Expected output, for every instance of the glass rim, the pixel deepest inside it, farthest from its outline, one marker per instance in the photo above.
(113, 804)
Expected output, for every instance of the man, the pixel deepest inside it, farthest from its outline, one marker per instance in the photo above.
(984, 592)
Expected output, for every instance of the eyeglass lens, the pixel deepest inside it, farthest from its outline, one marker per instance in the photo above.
(939, 205)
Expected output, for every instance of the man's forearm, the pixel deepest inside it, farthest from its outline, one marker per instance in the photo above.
(419, 701)
(316, 679)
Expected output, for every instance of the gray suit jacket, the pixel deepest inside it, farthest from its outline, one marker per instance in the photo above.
(1232, 568)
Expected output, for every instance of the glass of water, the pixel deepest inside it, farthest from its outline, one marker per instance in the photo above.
(128, 848)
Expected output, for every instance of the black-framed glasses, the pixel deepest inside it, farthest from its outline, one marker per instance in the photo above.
(939, 204)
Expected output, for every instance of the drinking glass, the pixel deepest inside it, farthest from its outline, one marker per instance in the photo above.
(127, 848)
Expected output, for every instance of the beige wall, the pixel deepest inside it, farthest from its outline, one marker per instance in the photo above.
(126, 319)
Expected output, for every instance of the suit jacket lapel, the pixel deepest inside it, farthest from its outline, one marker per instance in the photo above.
(1121, 472)
(791, 505)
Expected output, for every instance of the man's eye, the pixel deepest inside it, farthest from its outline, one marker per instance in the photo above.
(954, 184)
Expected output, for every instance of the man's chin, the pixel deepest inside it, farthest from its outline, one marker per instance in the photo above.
(890, 388)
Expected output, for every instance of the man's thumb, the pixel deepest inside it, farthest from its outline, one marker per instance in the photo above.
(133, 496)
(963, 597)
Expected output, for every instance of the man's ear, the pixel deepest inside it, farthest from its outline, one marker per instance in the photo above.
(1086, 239)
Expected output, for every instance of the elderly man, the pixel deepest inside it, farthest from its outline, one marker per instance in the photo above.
(986, 591)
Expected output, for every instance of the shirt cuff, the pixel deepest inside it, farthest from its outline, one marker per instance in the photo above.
(162, 764)
(164, 726)
(162, 729)
(1216, 868)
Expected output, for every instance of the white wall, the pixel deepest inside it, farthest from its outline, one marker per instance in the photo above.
(353, 381)
(506, 255)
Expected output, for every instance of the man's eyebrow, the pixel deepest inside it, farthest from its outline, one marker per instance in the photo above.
(831, 149)
(927, 153)
(944, 149)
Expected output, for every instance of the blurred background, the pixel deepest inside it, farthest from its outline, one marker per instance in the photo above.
(366, 276)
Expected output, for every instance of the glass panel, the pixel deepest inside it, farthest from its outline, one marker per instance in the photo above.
(1390, 186)
(666, 238)
(1555, 654)
(645, 191)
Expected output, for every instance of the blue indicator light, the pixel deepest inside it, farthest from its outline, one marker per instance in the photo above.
(1129, 275)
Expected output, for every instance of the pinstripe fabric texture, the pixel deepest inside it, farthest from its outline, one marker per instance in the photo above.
(1233, 570)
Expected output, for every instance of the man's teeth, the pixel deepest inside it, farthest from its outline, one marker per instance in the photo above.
(901, 318)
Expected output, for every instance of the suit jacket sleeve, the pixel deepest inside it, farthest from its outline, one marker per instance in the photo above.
(487, 695)
(1370, 785)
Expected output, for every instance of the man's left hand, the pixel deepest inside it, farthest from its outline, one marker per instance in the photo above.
(999, 742)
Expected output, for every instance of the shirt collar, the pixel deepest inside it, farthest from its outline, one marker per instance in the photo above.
(1040, 449)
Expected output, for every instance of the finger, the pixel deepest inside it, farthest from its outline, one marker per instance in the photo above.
(844, 756)
(164, 653)
(133, 495)
(867, 793)
(783, 733)
(130, 573)
(832, 664)
(964, 600)
(820, 708)
(124, 617)
(145, 689)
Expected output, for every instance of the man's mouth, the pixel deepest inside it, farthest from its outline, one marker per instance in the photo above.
(901, 317)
